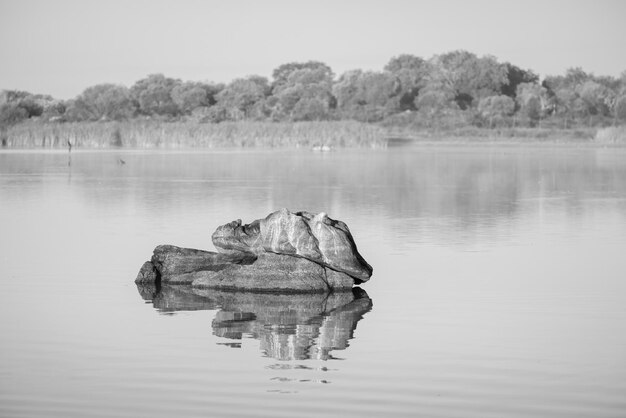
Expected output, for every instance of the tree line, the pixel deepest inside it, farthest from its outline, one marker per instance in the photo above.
(457, 88)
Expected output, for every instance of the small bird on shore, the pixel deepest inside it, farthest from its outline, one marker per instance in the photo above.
(120, 161)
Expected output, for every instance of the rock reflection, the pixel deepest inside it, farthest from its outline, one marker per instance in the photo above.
(169, 299)
(288, 326)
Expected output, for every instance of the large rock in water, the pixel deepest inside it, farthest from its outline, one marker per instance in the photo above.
(176, 265)
(317, 238)
(285, 252)
(275, 273)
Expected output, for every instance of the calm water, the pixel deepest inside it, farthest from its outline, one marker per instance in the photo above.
(498, 289)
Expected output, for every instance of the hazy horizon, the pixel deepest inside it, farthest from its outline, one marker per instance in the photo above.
(60, 48)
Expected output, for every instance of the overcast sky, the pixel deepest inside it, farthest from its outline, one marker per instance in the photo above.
(62, 47)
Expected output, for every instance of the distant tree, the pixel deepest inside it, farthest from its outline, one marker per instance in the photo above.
(262, 82)
(304, 90)
(611, 83)
(31, 103)
(411, 71)
(11, 113)
(579, 95)
(215, 114)
(346, 88)
(262, 109)
(282, 73)
(20, 105)
(435, 101)
(569, 104)
(466, 76)
(153, 95)
(311, 108)
(532, 101)
(54, 110)
(102, 101)
(572, 78)
(561, 97)
(367, 96)
(496, 108)
(516, 76)
(32, 106)
(381, 92)
(597, 99)
(575, 76)
(191, 95)
(437, 108)
(238, 99)
(13, 96)
(620, 109)
(553, 83)
(621, 89)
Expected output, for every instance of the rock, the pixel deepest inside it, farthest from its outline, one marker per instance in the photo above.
(285, 252)
(315, 237)
(275, 273)
(147, 273)
(234, 237)
(170, 260)
(173, 264)
(337, 246)
(283, 232)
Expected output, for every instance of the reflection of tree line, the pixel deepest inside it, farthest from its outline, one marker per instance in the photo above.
(465, 186)
(288, 326)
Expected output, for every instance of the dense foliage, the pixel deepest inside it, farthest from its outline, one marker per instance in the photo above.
(454, 89)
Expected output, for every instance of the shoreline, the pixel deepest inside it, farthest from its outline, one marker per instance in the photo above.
(449, 144)
(321, 136)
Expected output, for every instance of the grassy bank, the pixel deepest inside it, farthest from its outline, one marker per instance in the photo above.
(334, 134)
(157, 134)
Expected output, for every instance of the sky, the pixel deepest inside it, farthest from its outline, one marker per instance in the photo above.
(62, 47)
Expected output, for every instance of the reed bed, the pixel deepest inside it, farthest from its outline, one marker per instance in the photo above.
(174, 135)
(611, 135)
(472, 134)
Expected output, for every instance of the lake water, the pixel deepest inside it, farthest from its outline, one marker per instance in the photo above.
(499, 286)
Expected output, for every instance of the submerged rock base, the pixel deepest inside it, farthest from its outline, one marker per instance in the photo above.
(285, 252)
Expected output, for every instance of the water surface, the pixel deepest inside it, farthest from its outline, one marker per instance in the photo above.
(498, 286)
